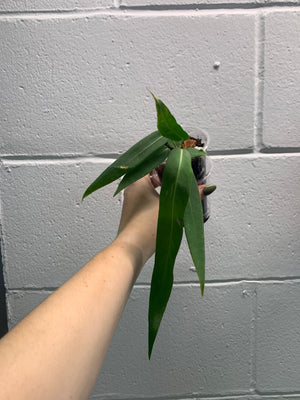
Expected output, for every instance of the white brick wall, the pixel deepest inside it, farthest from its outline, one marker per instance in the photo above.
(282, 80)
(91, 74)
(73, 96)
(52, 5)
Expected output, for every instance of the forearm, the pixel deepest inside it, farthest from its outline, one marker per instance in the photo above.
(57, 351)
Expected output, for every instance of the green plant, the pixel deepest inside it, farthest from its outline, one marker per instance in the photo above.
(180, 205)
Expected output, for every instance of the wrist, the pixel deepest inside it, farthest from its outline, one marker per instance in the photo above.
(131, 251)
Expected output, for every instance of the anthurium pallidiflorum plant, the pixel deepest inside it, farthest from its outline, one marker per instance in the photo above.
(180, 207)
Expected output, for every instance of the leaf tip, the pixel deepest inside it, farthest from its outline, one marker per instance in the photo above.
(151, 93)
(150, 347)
(85, 194)
(116, 192)
(202, 288)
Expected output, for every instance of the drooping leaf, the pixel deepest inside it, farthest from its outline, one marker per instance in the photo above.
(194, 231)
(143, 168)
(196, 152)
(173, 199)
(167, 124)
(132, 157)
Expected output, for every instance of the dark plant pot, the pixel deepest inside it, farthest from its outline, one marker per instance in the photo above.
(201, 166)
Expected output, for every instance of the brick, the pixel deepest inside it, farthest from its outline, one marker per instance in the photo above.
(254, 228)
(252, 233)
(204, 344)
(278, 335)
(48, 234)
(51, 5)
(282, 80)
(77, 85)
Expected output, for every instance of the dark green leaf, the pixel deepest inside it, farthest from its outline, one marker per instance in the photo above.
(173, 199)
(134, 156)
(167, 124)
(174, 144)
(194, 231)
(142, 169)
(196, 152)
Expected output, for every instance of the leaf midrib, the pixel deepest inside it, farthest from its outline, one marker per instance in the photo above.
(172, 213)
(145, 148)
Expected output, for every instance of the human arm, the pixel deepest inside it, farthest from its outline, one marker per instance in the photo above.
(57, 351)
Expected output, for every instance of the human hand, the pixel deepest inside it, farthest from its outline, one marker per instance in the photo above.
(138, 223)
(156, 177)
(139, 217)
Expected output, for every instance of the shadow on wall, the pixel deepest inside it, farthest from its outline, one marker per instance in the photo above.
(3, 311)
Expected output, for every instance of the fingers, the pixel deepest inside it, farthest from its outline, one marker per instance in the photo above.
(201, 191)
(155, 179)
(209, 189)
(143, 186)
(206, 190)
(150, 182)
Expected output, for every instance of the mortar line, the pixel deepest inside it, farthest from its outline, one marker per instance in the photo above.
(184, 284)
(278, 150)
(106, 158)
(47, 157)
(253, 384)
(55, 161)
(196, 10)
(229, 282)
(255, 338)
(188, 396)
(259, 83)
(199, 396)
(288, 395)
(251, 5)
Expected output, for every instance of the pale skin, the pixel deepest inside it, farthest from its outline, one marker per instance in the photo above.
(57, 351)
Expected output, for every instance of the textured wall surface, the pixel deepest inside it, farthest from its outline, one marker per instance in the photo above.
(73, 97)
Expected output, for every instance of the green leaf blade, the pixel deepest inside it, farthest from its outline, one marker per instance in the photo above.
(143, 168)
(194, 231)
(132, 157)
(174, 143)
(167, 124)
(196, 152)
(173, 199)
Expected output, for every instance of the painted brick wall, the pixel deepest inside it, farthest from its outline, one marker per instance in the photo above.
(73, 96)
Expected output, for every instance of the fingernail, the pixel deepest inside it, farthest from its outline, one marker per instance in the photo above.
(209, 189)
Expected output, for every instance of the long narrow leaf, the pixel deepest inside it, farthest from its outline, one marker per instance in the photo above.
(194, 231)
(132, 157)
(167, 124)
(143, 168)
(173, 199)
(196, 152)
